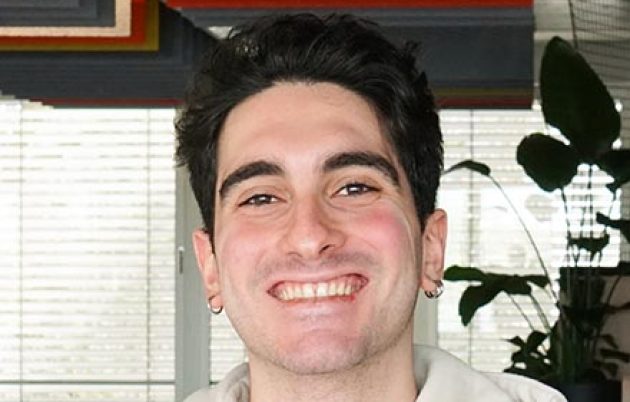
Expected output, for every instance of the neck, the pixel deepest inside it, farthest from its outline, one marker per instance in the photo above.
(385, 376)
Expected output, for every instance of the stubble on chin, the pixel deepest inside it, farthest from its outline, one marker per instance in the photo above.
(329, 357)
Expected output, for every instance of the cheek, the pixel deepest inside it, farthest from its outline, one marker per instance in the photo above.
(238, 249)
(391, 233)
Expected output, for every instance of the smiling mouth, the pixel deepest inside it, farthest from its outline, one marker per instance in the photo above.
(343, 286)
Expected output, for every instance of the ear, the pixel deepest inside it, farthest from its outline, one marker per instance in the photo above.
(207, 265)
(433, 247)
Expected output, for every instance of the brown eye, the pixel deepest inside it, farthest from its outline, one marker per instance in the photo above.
(258, 200)
(354, 189)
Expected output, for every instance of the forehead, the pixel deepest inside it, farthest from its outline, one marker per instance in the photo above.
(297, 121)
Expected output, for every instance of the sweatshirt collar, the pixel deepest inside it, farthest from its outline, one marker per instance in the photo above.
(440, 378)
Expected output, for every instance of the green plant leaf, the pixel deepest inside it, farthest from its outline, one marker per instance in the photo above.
(615, 355)
(549, 162)
(583, 323)
(575, 101)
(514, 285)
(534, 340)
(608, 367)
(616, 309)
(470, 164)
(616, 163)
(517, 341)
(518, 357)
(539, 280)
(593, 245)
(623, 225)
(475, 297)
(609, 340)
(529, 363)
(456, 273)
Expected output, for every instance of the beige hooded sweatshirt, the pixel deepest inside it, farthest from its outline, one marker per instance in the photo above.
(440, 378)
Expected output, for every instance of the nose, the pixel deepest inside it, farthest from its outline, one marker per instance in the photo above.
(311, 232)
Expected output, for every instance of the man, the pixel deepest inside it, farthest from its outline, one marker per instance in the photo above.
(314, 153)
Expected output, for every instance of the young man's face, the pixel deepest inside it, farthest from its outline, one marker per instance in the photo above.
(318, 254)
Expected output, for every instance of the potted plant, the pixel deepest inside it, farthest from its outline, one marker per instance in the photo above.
(573, 349)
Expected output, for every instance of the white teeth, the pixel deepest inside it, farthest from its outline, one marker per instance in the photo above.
(307, 290)
(339, 287)
(332, 289)
(322, 290)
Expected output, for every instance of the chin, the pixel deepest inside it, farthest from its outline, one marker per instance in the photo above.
(319, 355)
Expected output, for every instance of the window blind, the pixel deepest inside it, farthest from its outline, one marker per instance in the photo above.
(87, 225)
(226, 348)
(483, 232)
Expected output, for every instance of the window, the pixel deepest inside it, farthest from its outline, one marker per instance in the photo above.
(226, 348)
(87, 217)
(483, 231)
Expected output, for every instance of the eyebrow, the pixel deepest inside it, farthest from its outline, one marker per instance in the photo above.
(335, 162)
(369, 159)
(253, 169)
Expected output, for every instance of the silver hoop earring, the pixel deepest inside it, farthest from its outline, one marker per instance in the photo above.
(215, 311)
(437, 292)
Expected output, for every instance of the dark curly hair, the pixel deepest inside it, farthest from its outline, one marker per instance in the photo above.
(339, 49)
